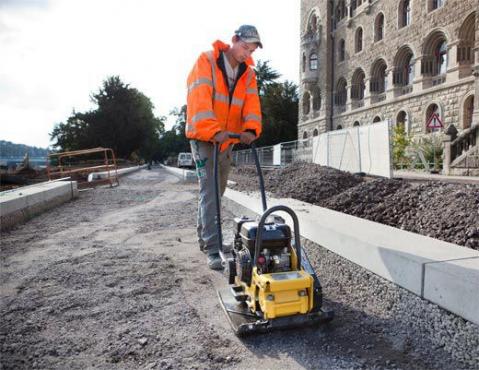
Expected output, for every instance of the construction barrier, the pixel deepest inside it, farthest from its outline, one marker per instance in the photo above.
(357, 149)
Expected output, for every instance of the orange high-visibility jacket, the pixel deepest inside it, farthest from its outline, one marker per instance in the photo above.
(210, 106)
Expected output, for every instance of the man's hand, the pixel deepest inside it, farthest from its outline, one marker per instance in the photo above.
(247, 138)
(221, 137)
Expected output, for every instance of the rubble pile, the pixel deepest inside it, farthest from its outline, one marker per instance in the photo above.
(444, 211)
(303, 181)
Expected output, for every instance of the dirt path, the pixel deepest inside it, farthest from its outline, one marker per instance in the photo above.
(114, 280)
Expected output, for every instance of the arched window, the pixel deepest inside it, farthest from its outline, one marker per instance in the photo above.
(316, 98)
(467, 36)
(358, 40)
(315, 132)
(357, 85)
(306, 102)
(341, 92)
(377, 119)
(434, 60)
(378, 82)
(339, 127)
(404, 67)
(467, 112)
(402, 120)
(356, 123)
(304, 62)
(433, 108)
(313, 62)
(342, 50)
(312, 24)
(379, 27)
(404, 13)
(305, 135)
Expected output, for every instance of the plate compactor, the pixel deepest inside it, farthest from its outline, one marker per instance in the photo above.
(273, 285)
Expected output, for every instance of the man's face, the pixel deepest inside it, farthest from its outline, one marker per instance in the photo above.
(242, 50)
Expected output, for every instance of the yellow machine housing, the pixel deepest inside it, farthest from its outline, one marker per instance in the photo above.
(281, 293)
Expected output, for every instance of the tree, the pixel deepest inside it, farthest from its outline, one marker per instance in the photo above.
(174, 140)
(123, 121)
(400, 142)
(265, 75)
(279, 106)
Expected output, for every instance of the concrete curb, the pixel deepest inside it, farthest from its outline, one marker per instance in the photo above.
(21, 204)
(185, 175)
(421, 176)
(444, 273)
(122, 171)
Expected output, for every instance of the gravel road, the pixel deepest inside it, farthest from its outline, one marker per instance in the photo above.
(114, 280)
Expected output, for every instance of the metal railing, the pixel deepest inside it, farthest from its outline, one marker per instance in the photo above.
(287, 153)
(347, 150)
(464, 143)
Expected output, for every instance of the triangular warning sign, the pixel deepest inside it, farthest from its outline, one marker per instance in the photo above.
(434, 121)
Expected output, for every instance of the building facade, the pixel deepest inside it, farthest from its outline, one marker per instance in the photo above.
(364, 61)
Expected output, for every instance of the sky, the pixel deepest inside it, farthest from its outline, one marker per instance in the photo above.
(55, 53)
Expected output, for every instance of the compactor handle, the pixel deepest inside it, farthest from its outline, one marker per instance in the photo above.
(232, 135)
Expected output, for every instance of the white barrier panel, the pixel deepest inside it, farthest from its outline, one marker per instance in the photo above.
(277, 155)
(357, 149)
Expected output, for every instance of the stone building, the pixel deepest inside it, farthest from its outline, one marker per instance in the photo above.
(364, 61)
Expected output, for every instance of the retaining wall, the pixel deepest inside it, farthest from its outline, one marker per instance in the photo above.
(185, 175)
(122, 171)
(19, 205)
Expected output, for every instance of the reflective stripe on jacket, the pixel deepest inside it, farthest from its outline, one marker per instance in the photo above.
(211, 108)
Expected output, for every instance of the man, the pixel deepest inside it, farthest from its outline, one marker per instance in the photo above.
(222, 99)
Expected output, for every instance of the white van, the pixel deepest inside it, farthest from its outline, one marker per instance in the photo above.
(185, 160)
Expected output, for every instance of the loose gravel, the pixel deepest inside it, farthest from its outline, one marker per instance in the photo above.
(392, 320)
(444, 211)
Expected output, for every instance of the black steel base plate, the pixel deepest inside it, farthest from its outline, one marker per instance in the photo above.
(245, 322)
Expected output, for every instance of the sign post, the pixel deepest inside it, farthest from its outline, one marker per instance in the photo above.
(433, 123)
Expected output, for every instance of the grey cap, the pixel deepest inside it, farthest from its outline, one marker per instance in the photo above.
(248, 34)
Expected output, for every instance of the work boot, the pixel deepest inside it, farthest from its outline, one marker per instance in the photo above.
(214, 261)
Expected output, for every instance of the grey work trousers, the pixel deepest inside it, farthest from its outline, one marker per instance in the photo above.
(206, 225)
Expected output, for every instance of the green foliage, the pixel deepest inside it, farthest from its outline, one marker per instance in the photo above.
(174, 141)
(432, 148)
(123, 121)
(279, 106)
(400, 141)
(265, 75)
